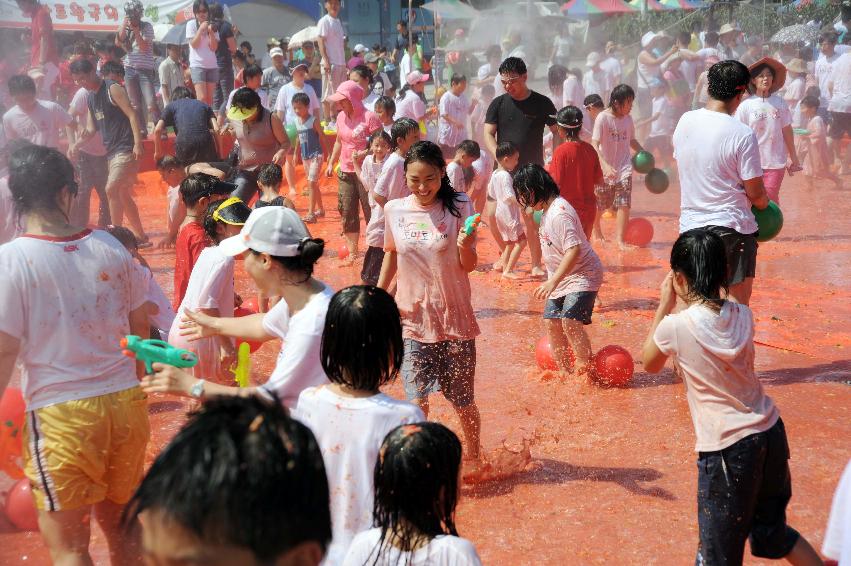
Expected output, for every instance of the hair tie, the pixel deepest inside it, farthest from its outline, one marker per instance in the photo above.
(302, 242)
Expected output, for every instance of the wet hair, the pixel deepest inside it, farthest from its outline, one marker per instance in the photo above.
(813, 91)
(246, 99)
(309, 252)
(180, 92)
(684, 38)
(699, 255)
(829, 37)
(457, 79)
(241, 472)
(400, 130)
(251, 71)
(416, 485)
(198, 4)
(37, 176)
(21, 84)
(362, 340)
(199, 185)
(386, 103)
(125, 236)
(112, 68)
(81, 67)
(379, 134)
(512, 65)
(620, 95)
(727, 79)
(594, 101)
(301, 98)
(488, 91)
(469, 148)
(246, 45)
(570, 115)
(363, 71)
(270, 175)
(167, 162)
(533, 185)
(810, 102)
(217, 12)
(556, 75)
(237, 212)
(505, 149)
(239, 55)
(576, 72)
(430, 153)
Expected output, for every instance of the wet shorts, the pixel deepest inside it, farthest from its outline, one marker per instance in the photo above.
(840, 124)
(741, 253)
(312, 167)
(742, 492)
(614, 195)
(448, 366)
(372, 265)
(574, 306)
(86, 451)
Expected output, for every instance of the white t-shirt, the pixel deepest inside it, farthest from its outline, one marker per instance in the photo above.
(612, 67)
(79, 111)
(10, 225)
(837, 537)
(331, 32)
(411, 106)
(405, 66)
(165, 316)
(68, 301)
(176, 207)
(561, 230)
(285, 98)
(711, 189)
(596, 82)
(203, 57)
(370, 170)
(390, 184)
(767, 117)
(841, 99)
(456, 177)
(483, 166)
(614, 135)
(663, 125)
(715, 352)
(298, 366)
(349, 432)
(508, 217)
(443, 550)
(572, 92)
(40, 125)
(824, 71)
(457, 108)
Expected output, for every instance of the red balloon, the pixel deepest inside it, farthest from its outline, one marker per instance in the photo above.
(614, 366)
(544, 355)
(242, 311)
(639, 232)
(343, 251)
(251, 304)
(20, 507)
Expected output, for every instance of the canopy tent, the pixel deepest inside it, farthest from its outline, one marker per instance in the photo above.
(660, 5)
(585, 8)
(451, 9)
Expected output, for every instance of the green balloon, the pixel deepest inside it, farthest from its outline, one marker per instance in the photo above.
(537, 216)
(292, 132)
(643, 161)
(769, 221)
(656, 181)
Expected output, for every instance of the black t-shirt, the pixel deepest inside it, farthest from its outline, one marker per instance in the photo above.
(223, 57)
(522, 123)
(190, 119)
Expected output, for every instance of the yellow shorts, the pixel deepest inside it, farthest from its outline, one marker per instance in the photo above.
(82, 452)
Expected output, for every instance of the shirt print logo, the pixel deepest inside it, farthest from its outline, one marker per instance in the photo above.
(422, 232)
(617, 135)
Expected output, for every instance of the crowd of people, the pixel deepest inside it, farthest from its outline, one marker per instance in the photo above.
(314, 463)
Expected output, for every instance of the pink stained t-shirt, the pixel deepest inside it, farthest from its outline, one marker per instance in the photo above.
(561, 230)
(353, 134)
(370, 170)
(614, 134)
(433, 292)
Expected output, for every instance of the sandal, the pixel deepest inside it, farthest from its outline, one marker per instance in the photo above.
(319, 213)
(309, 219)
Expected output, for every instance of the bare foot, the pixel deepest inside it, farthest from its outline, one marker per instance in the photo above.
(598, 304)
(624, 247)
(538, 272)
(511, 275)
(598, 237)
(498, 266)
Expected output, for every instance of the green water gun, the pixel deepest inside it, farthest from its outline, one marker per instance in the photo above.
(150, 351)
(243, 365)
(472, 223)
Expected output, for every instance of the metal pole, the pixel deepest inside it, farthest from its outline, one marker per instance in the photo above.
(410, 24)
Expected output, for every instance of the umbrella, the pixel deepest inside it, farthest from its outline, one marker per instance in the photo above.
(308, 34)
(798, 33)
(451, 9)
(176, 35)
(652, 5)
(681, 4)
(585, 8)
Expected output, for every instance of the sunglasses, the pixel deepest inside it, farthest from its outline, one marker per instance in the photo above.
(506, 82)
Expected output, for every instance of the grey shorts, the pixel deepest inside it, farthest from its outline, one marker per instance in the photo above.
(204, 75)
(448, 366)
(574, 306)
(741, 253)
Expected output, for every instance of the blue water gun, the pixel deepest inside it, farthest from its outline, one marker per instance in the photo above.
(472, 223)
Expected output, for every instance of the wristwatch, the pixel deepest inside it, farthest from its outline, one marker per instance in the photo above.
(197, 390)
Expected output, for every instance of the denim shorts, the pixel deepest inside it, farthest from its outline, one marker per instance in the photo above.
(574, 306)
(200, 75)
(448, 366)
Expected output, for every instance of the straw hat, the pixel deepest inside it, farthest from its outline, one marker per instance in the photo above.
(727, 28)
(796, 66)
(779, 72)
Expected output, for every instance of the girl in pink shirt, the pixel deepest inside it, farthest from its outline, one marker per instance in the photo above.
(428, 250)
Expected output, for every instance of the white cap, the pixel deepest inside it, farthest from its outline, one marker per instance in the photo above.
(647, 38)
(360, 48)
(274, 230)
(593, 59)
(276, 52)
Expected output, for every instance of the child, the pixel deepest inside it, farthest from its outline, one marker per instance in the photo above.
(196, 192)
(817, 157)
(477, 117)
(172, 174)
(197, 499)
(453, 114)
(743, 471)
(361, 351)
(576, 168)
(311, 151)
(269, 181)
(593, 105)
(507, 213)
(416, 491)
(574, 271)
(467, 152)
(210, 290)
(661, 124)
(385, 108)
(614, 135)
(379, 147)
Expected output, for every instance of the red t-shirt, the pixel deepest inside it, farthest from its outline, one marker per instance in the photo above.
(576, 170)
(191, 241)
(42, 25)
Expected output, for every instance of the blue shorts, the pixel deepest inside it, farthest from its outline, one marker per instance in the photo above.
(448, 366)
(574, 306)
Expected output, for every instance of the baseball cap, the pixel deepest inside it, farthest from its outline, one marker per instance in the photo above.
(274, 230)
(593, 59)
(370, 58)
(276, 52)
(360, 48)
(415, 77)
(301, 65)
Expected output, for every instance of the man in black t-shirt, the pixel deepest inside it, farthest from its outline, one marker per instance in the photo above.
(519, 116)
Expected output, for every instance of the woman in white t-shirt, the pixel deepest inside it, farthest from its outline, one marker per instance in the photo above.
(279, 254)
(408, 102)
(771, 120)
(416, 491)
(361, 352)
(203, 37)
